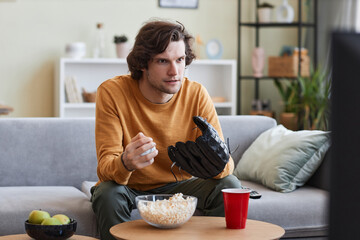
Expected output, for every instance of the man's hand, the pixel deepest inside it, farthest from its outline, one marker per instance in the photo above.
(204, 158)
(132, 158)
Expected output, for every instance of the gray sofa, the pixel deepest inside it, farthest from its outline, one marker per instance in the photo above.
(50, 164)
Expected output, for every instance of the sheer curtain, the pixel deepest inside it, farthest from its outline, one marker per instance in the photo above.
(335, 15)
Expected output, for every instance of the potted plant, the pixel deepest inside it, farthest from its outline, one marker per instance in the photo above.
(314, 101)
(306, 101)
(264, 12)
(122, 48)
(289, 92)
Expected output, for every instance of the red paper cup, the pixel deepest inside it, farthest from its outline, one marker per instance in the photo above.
(236, 202)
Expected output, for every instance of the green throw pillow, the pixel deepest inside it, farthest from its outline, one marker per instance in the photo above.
(282, 159)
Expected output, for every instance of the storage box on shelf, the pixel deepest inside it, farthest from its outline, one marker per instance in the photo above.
(217, 76)
(288, 66)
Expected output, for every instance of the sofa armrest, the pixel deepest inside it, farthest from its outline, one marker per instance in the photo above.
(242, 130)
(321, 178)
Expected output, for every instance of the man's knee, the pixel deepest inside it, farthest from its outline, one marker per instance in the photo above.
(229, 182)
(214, 205)
(110, 203)
(110, 193)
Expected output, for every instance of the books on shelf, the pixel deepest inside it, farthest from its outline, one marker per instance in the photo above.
(5, 109)
(73, 93)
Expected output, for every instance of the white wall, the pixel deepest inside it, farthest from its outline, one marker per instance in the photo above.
(33, 34)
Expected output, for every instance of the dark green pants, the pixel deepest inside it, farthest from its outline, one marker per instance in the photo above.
(113, 203)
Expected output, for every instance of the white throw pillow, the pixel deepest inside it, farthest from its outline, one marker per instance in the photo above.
(282, 159)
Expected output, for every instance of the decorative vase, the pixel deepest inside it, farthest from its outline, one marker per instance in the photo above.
(122, 50)
(289, 120)
(284, 13)
(258, 61)
(264, 15)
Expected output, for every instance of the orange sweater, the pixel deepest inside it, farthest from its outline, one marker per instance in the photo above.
(122, 112)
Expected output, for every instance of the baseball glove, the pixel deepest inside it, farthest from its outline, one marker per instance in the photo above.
(204, 158)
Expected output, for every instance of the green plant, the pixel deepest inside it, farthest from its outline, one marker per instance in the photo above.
(289, 92)
(314, 100)
(266, 5)
(308, 98)
(120, 39)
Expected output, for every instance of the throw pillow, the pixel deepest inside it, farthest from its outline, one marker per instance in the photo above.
(282, 159)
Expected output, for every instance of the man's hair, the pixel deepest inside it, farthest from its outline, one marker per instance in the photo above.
(152, 39)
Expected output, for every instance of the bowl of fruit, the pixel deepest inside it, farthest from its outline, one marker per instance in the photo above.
(41, 226)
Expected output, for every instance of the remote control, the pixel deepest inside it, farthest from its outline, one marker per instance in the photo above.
(253, 194)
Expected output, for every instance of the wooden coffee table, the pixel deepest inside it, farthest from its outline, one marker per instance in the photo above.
(198, 227)
(26, 237)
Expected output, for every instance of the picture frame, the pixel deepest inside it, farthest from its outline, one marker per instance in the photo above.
(190, 4)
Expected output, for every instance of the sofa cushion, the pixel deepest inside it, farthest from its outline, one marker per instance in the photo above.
(41, 151)
(282, 159)
(17, 202)
(302, 213)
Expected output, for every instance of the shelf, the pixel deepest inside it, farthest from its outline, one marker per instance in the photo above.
(298, 24)
(263, 78)
(213, 62)
(217, 76)
(275, 24)
(123, 61)
(223, 104)
(94, 60)
(79, 105)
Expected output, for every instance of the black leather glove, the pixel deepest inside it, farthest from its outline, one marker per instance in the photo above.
(204, 158)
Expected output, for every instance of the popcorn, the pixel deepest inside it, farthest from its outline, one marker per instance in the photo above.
(173, 211)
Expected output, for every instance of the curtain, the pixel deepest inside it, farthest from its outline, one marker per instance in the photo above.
(335, 15)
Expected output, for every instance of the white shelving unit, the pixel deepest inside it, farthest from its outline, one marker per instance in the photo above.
(217, 76)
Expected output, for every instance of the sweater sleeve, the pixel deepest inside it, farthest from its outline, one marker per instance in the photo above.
(207, 111)
(109, 139)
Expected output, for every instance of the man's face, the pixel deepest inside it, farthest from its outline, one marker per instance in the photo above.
(165, 73)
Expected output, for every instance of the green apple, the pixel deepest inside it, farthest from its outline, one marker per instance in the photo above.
(37, 216)
(51, 221)
(62, 218)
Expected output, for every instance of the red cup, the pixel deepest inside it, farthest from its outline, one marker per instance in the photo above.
(236, 202)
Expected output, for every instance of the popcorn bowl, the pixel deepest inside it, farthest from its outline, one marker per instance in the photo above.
(166, 210)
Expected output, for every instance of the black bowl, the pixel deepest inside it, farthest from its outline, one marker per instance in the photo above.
(51, 232)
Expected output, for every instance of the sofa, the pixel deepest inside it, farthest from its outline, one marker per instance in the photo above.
(50, 164)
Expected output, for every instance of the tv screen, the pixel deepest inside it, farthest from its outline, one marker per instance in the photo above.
(345, 129)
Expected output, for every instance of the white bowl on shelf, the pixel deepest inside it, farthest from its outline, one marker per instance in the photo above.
(75, 50)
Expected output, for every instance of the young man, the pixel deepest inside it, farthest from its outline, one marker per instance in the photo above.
(152, 108)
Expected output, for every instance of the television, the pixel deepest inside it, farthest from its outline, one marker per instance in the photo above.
(344, 222)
